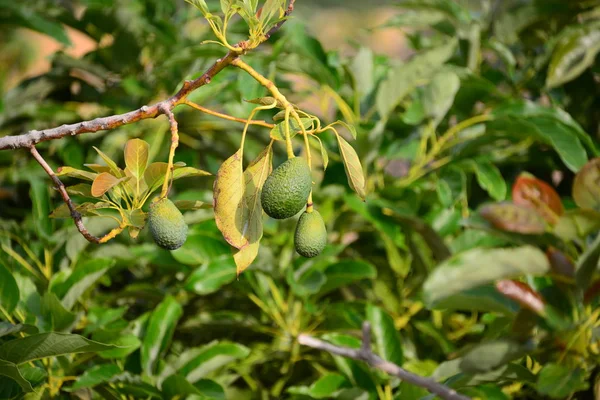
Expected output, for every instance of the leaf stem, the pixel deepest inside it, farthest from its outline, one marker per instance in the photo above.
(226, 116)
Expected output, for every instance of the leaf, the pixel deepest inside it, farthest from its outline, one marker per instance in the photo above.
(587, 264)
(82, 278)
(578, 223)
(159, 332)
(184, 205)
(489, 356)
(127, 344)
(387, 339)
(40, 199)
(11, 370)
(254, 178)
(210, 277)
(114, 169)
(228, 201)
(362, 68)
(10, 329)
(177, 387)
(200, 362)
(96, 375)
(439, 95)
(513, 218)
(586, 191)
(490, 179)
(97, 167)
(85, 209)
(19, 13)
(323, 388)
(76, 173)
(481, 298)
(49, 344)
(278, 131)
(9, 291)
(403, 79)
(523, 294)
(324, 154)
(136, 157)
(200, 248)
(354, 171)
(560, 381)
(536, 194)
(81, 189)
(104, 182)
(573, 54)
(56, 316)
(346, 272)
(135, 218)
(464, 271)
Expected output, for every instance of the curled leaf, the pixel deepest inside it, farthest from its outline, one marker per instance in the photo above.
(354, 172)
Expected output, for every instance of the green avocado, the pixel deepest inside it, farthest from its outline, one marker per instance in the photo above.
(311, 236)
(285, 191)
(166, 224)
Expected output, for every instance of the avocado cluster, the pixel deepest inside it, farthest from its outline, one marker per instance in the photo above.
(284, 194)
(167, 225)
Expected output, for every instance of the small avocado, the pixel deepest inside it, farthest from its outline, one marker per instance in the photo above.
(285, 191)
(311, 236)
(166, 224)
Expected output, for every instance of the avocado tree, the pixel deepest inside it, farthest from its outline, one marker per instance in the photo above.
(463, 265)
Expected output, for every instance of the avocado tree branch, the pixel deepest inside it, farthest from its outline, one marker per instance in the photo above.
(33, 137)
(365, 354)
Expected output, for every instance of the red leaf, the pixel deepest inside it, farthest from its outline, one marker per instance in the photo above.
(523, 294)
(531, 192)
(560, 263)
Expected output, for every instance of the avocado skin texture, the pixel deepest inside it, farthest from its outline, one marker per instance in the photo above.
(166, 224)
(285, 191)
(311, 235)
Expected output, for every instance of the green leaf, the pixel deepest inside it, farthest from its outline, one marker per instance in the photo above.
(200, 248)
(577, 224)
(490, 179)
(560, 381)
(177, 387)
(159, 332)
(362, 68)
(212, 276)
(354, 171)
(11, 370)
(42, 345)
(489, 356)
(83, 277)
(76, 173)
(22, 14)
(114, 169)
(480, 298)
(464, 271)
(278, 132)
(60, 318)
(326, 387)
(96, 375)
(198, 363)
(41, 207)
(573, 54)
(387, 339)
(439, 95)
(127, 344)
(7, 328)
(347, 272)
(9, 291)
(403, 79)
(587, 264)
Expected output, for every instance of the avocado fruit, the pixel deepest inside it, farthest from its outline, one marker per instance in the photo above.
(167, 225)
(286, 190)
(311, 235)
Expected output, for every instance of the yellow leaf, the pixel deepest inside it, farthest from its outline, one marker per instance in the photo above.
(228, 193)
(104, 182)
(254, 179)
(136, 157)
(110, 163)
(354, 172)
(76, 173)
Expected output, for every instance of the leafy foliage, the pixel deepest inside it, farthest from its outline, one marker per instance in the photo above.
(459, 188)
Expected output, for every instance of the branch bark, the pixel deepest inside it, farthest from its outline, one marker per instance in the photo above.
(365, 354)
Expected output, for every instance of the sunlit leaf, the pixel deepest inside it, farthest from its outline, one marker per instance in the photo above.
(76, 173)
(278, 132)
(114, 169)
(228, 192)
(354, 171)
(185, 205)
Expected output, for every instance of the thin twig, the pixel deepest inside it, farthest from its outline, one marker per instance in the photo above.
(226, 116)
(365, 354)
(76, 215)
